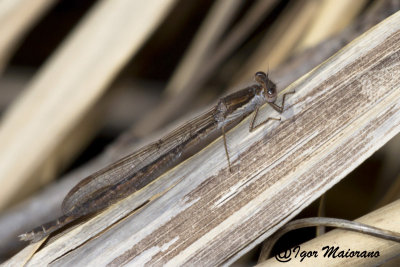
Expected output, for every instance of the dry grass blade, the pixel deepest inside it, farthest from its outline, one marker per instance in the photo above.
(281, 39)
(328, 222)
(214, 25)
(384, 218)
(333, 16)
(341, 113)
(23, 256)
(202, 47)
(302, 63)
(321, 213)
(68, 85)
(172, 106)
(16, 17)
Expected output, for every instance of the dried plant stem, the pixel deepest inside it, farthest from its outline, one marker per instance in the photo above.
(16, 17)
(200, 213)
(67, 87)
(327, 222)
(383, 218)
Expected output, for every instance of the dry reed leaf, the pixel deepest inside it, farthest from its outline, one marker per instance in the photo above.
(200, 213)
(214, 25)
(333, 16)
(173, 106)
(279, 41)
(23, 256)
(308, 59)
(385, 218)
(17, 17)
(68, 85)
(200, 49)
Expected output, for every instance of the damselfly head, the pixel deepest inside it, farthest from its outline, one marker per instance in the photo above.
(269, 87)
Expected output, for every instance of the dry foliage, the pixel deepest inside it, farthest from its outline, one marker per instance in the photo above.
(199, 213)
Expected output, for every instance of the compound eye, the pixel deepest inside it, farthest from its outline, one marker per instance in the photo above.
(270, 92)
(260, 76)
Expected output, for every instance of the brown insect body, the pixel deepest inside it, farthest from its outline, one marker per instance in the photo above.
(135, 171)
